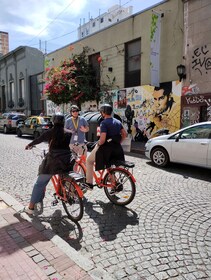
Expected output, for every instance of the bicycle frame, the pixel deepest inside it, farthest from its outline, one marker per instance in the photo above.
(99, 175)
(57, 183)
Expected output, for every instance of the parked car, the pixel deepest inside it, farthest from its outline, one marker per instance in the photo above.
(190, 145)
(34, 126)
(10, 120)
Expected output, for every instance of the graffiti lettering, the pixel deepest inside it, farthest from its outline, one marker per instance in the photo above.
(201, 60)
(195, 99)
(208, 101)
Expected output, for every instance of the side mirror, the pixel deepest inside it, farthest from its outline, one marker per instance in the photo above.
(177, 138)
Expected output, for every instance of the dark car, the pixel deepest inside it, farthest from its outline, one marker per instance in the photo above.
(34, 126)
(10, 120)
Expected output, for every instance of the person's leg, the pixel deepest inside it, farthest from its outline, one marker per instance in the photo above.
(82, 149)
(89, 165)
(73, 148)
(38, 191)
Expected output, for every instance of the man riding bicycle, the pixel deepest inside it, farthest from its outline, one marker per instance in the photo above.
(112, 133)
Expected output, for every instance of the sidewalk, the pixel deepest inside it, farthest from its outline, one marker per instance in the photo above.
(138, 147)
(30, 251)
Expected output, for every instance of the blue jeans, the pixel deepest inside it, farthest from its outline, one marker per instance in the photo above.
(38, 191)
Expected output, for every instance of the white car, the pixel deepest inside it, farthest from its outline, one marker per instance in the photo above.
(190, 145)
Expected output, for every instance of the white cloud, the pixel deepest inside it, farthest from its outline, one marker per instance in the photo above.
(33, 16)
(29, 21)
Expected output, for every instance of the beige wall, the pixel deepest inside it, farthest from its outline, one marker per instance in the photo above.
(110, 44)
(197, 48)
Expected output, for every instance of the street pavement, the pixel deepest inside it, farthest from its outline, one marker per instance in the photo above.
(165, 233)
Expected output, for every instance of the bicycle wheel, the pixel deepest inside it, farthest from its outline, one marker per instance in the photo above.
(74, 204)
(124, 186)
(79, 168)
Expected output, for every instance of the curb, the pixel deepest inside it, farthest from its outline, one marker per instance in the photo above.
(80, 260)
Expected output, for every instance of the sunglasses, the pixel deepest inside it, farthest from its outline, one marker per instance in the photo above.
(74, 111)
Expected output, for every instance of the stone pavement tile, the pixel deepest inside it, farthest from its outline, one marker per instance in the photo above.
(26, 254)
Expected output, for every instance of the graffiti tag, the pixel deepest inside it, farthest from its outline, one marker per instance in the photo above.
(201, 60)
(195, 99)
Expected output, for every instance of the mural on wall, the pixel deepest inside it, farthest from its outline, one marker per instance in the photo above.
(190, 89)
(154, 108)
(121, 98)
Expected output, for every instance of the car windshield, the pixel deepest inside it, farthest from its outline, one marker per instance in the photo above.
(17, 117)
(44, 120)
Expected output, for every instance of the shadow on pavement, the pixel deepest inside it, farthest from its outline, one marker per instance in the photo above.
(111, 219)
(186, 171)
(68, 230)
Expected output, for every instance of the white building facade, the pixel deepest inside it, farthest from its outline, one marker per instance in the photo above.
(115, 14)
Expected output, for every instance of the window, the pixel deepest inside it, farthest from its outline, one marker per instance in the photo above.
(133, 63)
(197, 132)
(93, 24)
(101, 20)
(21, 85)
(12, 92)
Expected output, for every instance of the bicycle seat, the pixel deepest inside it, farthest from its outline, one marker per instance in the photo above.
(123, 163)
(76, 176)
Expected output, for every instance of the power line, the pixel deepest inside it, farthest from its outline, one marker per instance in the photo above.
(77, 29)
(52, 20)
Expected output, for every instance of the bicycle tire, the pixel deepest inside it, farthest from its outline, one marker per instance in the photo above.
(123, 179)
(74, 204)
(79, 168)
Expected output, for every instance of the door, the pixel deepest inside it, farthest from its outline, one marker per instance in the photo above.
(193, 145)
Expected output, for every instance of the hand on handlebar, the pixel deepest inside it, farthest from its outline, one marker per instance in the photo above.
(28, 147)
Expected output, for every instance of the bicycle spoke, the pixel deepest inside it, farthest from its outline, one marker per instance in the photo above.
(124, 191)
(74, 205)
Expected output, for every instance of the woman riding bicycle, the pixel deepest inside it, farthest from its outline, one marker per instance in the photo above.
(57, 160)
(112, 133)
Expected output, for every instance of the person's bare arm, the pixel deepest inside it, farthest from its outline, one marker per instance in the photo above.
(123, 134)
(68, 130)
(102, 139)
(84, 128)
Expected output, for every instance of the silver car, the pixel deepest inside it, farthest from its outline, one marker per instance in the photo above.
(10, 120)
(190, 145)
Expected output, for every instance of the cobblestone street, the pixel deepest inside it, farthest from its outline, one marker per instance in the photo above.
(165, 233)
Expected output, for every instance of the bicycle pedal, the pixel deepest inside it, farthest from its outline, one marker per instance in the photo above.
(54, 202)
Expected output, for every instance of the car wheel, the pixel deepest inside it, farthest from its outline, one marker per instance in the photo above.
(160, 157)
(19, 133)
(5, 129)
(36, 134)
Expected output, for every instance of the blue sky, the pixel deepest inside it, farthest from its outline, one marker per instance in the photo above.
(34, 22)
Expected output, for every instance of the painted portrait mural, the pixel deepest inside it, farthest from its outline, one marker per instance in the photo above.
(153, 108)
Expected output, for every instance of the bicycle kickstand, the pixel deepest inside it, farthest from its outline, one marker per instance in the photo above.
(55, 201)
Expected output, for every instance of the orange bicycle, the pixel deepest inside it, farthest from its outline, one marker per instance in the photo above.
(68, 191)
(118, 182)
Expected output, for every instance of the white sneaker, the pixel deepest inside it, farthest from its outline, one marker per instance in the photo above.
(28, 211)
(38, 208)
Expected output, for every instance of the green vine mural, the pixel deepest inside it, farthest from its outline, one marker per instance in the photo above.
(153, 26)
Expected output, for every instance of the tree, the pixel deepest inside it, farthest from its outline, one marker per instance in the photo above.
(73, 81)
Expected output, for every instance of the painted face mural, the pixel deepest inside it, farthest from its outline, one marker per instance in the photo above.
(160, 101)
(155, 109)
